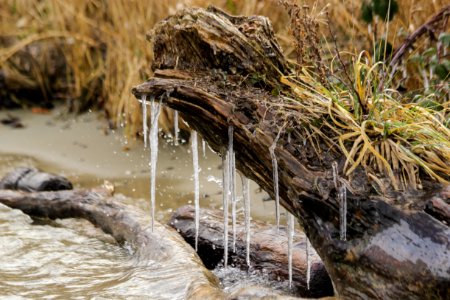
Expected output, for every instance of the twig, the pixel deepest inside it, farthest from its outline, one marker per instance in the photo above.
(411, 39)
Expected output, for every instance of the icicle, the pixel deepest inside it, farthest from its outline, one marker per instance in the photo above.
(144, 118)
(334, 165)
(246, 195)
(343, 212)
(176, 130)
(290, 234)
(308, 263)
(275, 182)
(232, 182)
(194, 145)
(225, 194)
(233, 196)
(204, 147)
(153, 136)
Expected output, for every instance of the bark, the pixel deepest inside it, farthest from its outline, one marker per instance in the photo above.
(394, 249)
(128, 225)
(268, 250)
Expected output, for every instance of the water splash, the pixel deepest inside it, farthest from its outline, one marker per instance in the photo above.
(194, 145)
(308, 263)
(275, 182)
(176, 130)
(225, 195)
(290, 234)
(246, 195)
(144, 118)
(342, 196)
(153, 136)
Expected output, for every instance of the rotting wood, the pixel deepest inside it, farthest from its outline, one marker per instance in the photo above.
(394, 249)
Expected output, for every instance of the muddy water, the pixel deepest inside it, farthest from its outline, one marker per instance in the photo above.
(71, 257)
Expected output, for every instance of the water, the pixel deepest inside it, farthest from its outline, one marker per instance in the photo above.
(144, 118)
(71, 259)
(275, 183)
(246, 195)
(194, 145)
(308, 263)
(290, 234)
(176, 130)
(343, 212)
(153, 136)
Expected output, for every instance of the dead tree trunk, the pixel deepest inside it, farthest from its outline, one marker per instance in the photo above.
(219, 71)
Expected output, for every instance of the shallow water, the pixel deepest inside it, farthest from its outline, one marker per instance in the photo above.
(70, 257)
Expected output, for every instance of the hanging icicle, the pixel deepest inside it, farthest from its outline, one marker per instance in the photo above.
(194, 145)
(233, 196)
(204, 148)
(275, 183)
(232, 183)
(225, 195)
(334, 166)
(290, 234)
(342, 197)
(144, 118)
(246, 196)
(176, 130)
(153, 136)
(308, 263)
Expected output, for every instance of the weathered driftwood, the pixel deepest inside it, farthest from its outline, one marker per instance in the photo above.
(394, 249)
(268, 250)
(31, 179)
(128, 225)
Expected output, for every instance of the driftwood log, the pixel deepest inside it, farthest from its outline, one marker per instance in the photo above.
(268, 250)
(127, 224)
(219, 71)
(33, 180)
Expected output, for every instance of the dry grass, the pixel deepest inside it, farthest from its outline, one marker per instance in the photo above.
(359, 112)
(104, 47)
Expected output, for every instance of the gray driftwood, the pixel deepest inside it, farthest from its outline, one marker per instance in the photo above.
(268, 250)
(32, 180)
(219, 71)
